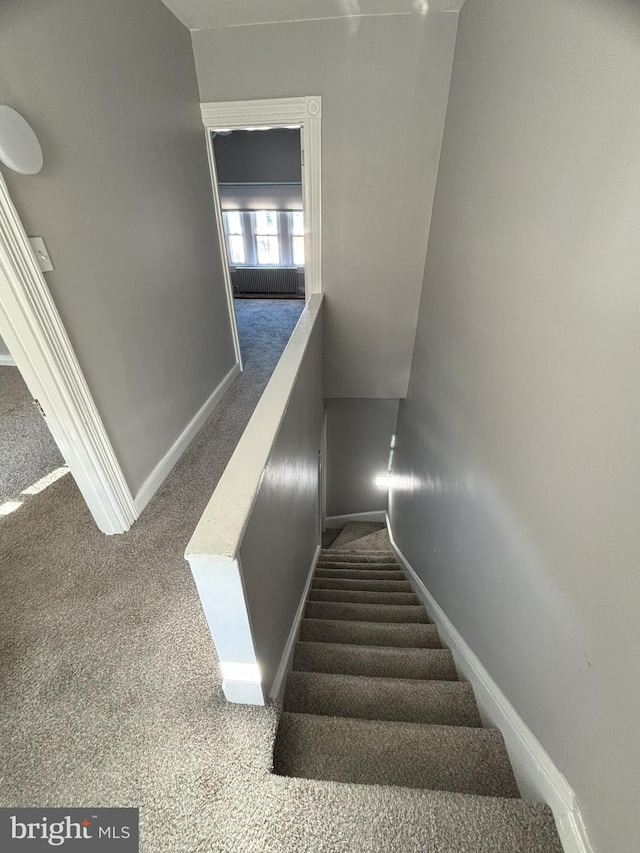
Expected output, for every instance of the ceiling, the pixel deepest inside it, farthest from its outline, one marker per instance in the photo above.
(218, 14)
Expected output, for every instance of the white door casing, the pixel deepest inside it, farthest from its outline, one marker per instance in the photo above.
(303, 112)
(32, 329)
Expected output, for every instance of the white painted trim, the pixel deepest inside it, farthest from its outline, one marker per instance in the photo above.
(377, 515)
(34, 333)
(538, 777)
(222, 243)
(306, 112)
(224, 521)
(173, 454)
(287, 655)
(242, 692)
(6, 360)
(222, 595)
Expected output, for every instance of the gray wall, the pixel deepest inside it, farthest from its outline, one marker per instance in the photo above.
(518, 443)
(384, 83)
(282, 534)
(124, 203)
(258, 156)
(358, 440)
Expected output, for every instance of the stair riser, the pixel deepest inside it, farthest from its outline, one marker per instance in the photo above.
(375, 661)
(353, 565)
(359, 585)
(441, 758)
(363, 597)
(392, 635)
(448, 703)
(366, 612)
(357, 557)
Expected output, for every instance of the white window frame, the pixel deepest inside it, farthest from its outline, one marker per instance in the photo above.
(291, 236)
(243, 234)
(303, 112)
(249, 237)
(278, 235)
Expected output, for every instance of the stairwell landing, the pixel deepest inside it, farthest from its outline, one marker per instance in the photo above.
(374, 699)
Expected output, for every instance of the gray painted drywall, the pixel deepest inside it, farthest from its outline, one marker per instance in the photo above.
(384, 83)
(201, 14)
(124, 203)
(358, 441)
(258, 156)
(518, 495)
(282, 533)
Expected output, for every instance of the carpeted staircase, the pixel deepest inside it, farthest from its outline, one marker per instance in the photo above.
(373, 699)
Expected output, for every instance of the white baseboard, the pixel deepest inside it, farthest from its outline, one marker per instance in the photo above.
(287, 654)
(6, 360)
(537, 776)
(168, 461)
(377, 515)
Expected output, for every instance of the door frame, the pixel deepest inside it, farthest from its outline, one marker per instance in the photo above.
(35, 335)
(322, 484)
(304, 112)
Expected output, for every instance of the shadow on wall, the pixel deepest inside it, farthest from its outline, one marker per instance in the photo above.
(478, 559)
(359, 433)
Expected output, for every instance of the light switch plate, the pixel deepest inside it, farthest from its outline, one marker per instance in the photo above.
(42, 256)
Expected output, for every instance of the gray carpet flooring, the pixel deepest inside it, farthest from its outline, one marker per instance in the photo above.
(27, 450)
(354, 531)
(111, 694)
(370, 709)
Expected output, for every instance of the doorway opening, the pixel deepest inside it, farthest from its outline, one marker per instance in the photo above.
(30, 458)
(259, 185)
(265, 231)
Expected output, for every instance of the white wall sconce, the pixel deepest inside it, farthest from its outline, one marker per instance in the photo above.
(19, 146)
(383, 481)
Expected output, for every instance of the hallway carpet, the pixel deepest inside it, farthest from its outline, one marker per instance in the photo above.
(111, 694)
(27, 449)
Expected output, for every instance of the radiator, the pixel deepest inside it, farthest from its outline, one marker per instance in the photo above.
(265, 280)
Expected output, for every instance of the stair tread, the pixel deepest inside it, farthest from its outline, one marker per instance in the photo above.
(355, 530)
(365, 556)
(383, 661)
(358, 574)
(452, 758)
(413, 820)
(450, 703)
(364, 596)
(362, 632)
(366, 612)
(377, 539)
(461, 823)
